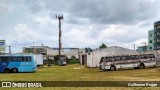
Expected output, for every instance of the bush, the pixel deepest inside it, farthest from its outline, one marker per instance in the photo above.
(73, 60)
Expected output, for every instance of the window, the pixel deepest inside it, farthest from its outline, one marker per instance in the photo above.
(150, 35)
(150, 41)
(125, 57)
(25, 59)
(19, 59)
(28, 59)
(133, 57)
(158, 47)
(155, 33)
(151, 56)
(109, 59)
(117, 58)
(158, 26)
(14, 59)
(144, 56)
(5, 59)
(150, 47)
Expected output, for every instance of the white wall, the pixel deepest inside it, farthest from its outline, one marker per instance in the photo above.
(95, 56)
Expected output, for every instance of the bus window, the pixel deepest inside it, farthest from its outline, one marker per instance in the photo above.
(4, 59)
(137, 57)
(133, 57)
(9, 59)
(0, 59)
(125, 57)
(151, 56)
(144, 56)
(19, 59)
(109, 59)
(28, 59)
(24, 59)
(14, 59)
(117, 58)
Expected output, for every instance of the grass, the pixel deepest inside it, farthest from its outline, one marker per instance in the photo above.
(69, 73)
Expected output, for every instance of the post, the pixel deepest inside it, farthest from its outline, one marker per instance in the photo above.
(59, 36)
(9, 49)
(60, 18)
(134, 45)
(145, 46)
(33, 48)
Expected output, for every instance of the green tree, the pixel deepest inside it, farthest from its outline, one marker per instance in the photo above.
(103, 46)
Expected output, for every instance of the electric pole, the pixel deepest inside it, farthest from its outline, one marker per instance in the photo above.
(60, 18)
(134, 45)
(9, 49)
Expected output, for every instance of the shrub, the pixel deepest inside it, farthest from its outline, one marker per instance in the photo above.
(73, 60)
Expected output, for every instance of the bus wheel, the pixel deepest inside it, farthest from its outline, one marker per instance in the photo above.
(6, 70)
(14, 70)
(112, 68)
(142, 66)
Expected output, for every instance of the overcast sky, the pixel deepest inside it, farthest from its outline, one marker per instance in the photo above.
(87, 23)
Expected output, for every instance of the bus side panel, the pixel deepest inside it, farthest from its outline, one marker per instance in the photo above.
(29, 66)
(13, 65)
(147, 64)
(3, 65)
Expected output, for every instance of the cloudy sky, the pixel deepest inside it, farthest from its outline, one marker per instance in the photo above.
(87, 23)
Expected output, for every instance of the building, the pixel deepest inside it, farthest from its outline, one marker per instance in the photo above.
(69, 52)
(156, 35)
(2, 46)
(153, 39)
(92, 59)
(142, 48)
(36, 49)
(51, 52)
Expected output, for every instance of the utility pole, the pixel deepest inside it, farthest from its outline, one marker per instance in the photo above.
(145, 46)
(33, 48)
(60, 18)
(134, 45)
(9, 49)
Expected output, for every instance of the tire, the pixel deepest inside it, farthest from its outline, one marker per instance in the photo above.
(141, 66)
(14, 70)
(112, 68)
(6, 70)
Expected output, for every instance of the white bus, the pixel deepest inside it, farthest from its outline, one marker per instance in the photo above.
(113, 63)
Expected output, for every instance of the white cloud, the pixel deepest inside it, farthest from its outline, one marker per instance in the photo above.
(23, 32)
(86, 24)
(42, 21)
(5, 6)
(78, 38)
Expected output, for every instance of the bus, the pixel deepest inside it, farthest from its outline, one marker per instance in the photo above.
(18, 63)
(113, 63)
